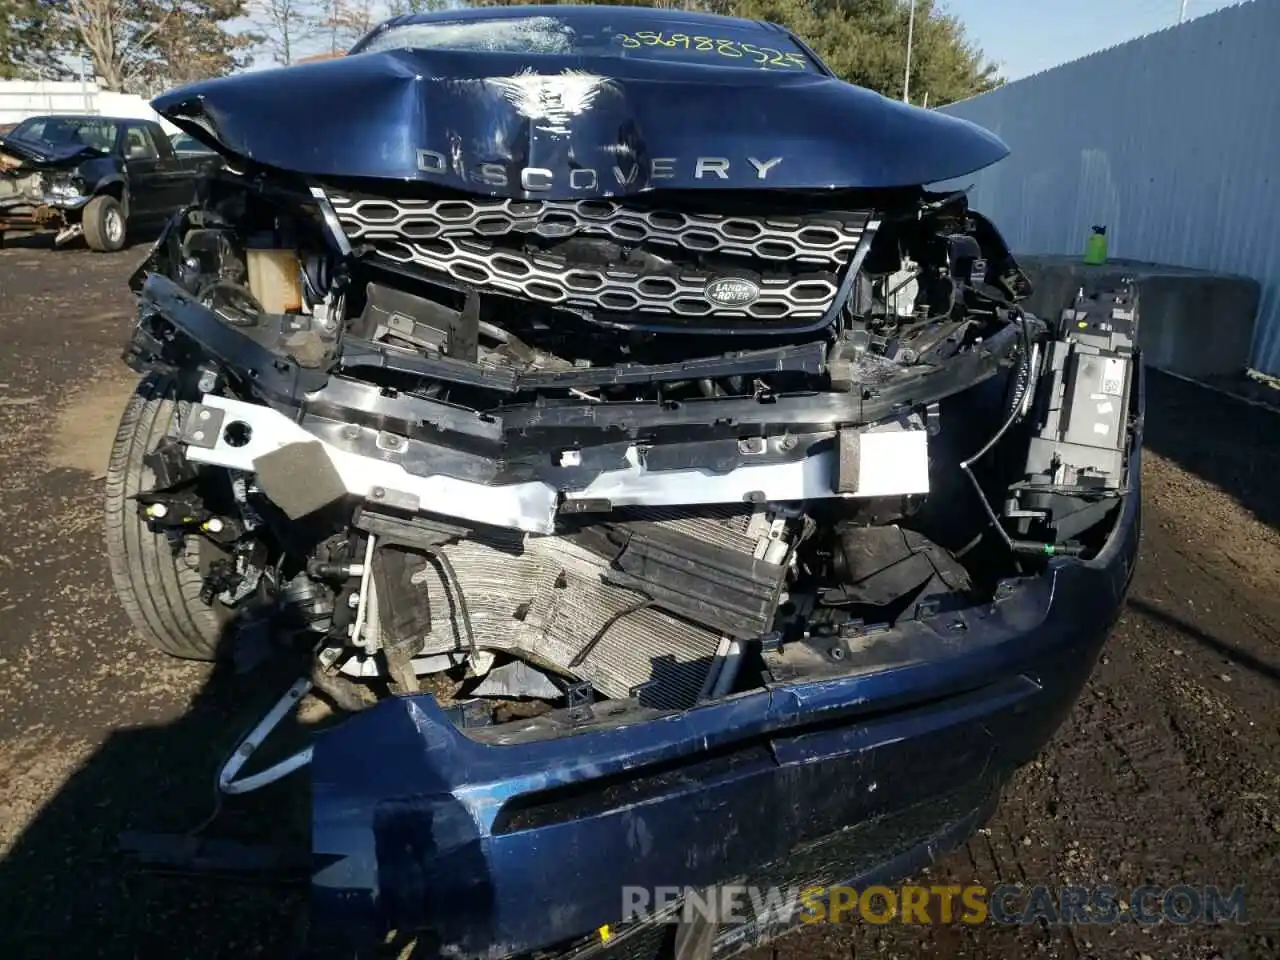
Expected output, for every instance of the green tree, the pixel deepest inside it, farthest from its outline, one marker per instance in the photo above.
(193, 42)
(21, 30)
(10, 15)
(865, 41)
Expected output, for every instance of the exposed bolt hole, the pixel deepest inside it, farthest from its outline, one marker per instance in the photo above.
(237, 433)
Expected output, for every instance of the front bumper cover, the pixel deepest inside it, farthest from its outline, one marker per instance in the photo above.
(499, 841)
(39, 212)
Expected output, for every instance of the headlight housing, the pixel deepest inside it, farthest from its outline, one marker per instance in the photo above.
(65, 188)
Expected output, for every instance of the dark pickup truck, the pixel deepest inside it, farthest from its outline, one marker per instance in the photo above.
(99, 177)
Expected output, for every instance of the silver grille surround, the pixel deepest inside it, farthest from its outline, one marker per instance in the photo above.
(803, 254)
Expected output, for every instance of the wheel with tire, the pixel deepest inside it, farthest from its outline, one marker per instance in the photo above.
(159, 590)
(103, 223)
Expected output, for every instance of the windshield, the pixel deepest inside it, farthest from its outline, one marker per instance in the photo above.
(68, 131)
(728, 44)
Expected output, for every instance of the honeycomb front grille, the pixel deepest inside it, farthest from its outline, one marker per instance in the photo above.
(618, 289)
(791, 265)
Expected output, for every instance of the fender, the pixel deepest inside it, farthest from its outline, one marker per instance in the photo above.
(105, 182)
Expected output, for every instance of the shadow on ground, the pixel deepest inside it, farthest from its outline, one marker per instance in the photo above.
(1231, 652)
(67, 890)
(28, 241)
(1202, 431)
(138, 238)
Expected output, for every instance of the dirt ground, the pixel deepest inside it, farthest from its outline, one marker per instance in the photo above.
(1167, 771)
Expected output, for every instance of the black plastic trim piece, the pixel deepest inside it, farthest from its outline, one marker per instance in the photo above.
(808, 358)
(264, 373)
(171, 320)
(728, 591)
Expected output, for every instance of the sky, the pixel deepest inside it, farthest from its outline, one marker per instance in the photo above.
(1027, 36)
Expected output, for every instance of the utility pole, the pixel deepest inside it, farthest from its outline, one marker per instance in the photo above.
(1182, 11)
(911, 29)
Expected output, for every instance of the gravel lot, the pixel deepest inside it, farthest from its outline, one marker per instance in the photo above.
(1168, 770)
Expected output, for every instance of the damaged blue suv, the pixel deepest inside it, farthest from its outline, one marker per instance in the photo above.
(666, 480)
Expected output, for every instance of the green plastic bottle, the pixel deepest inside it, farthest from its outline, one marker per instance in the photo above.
(1095, 248)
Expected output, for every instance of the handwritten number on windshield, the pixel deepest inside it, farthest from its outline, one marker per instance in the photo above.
(730, 49)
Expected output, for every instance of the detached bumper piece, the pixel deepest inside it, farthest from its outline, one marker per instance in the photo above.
(37, 215)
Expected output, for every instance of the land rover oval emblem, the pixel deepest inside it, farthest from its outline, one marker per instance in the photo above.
(732, 292)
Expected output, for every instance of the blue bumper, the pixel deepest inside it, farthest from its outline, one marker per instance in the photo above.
(497, 844)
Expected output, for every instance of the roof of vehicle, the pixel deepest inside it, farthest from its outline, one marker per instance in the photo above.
(583, 13)
(591, 17)
(84, 116)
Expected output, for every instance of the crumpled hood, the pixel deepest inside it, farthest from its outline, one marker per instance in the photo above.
(39, 154)
(569, 127)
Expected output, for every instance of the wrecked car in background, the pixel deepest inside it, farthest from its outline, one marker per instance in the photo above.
(611, 374)
(96, 177)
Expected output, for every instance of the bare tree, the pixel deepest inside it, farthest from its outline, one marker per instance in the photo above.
(133, 45)
(115, 40)
(396, 8)
(286, 25)
(348, 20)
(191, 41)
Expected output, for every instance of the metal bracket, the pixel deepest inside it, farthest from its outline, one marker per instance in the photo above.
(68, 233)
(771, 642)
(362, 599)
(227, 781)
(579, 698)
(203, 426)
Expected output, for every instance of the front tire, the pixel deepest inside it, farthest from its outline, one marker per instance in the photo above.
(104, 224)
(158, 590)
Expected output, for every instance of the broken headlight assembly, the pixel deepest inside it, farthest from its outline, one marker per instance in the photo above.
(64, 187)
